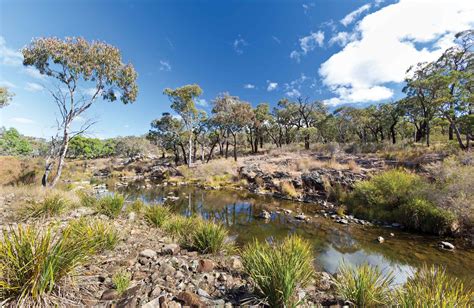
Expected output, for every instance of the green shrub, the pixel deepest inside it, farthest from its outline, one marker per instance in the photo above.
(432, 287)
(419, 214)
(364, 286)
(52, 205)
(86, 199)
(157, 214)
(277, 270)
(111, 205)
(208, 237)
(102, 234)
(121, 281)
(32, 262)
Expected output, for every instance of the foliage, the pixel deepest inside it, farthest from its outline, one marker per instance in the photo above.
(137, 206)
(102, 234)
(157, 215)
(364, 286)
(277, 270)
(181, 227)
(52, 205)
(83, 147)
(34, 262)
(110, 205)
(121, 281)
(432, 287)
(12, 143)
(208, 237)
(5, 96)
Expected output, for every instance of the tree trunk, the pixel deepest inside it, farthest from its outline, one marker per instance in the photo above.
(392, 132)
(190, 150)
(235, 147)
(212, 151)
(184, 154)
(306, 141)
(62, 156)
(226, 149)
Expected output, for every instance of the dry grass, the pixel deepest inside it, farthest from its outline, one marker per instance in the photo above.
(226, 168)
(288, 189)
(308, 164)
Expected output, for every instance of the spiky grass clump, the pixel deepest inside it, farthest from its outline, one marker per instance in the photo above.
(208, 237)
(180, 227)
(52, 205)
(111, 205)
(86, 199)
(364, 285)
(137, 206)
(156, 214)
(432, 287)
(102, 234)
(121, 281)
(34, 262)
(278, 270)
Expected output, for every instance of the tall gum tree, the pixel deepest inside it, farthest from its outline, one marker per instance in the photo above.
(75, 67)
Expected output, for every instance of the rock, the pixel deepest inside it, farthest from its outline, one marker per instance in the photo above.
(264, 215)
(392, 234)
(343, 221)
(203, 293)
(446, 245)
(148, 253)
(131, 216)
(380, 239)
(190, 299)
(205, 266)
(170, 249)
(109, 294)
(235, 263)
(301, 217)
(167, 269)
(156, 303)
(287, 212)
(156, 292)
(324, 281)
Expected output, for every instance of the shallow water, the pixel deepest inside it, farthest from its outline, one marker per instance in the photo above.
(333, 243)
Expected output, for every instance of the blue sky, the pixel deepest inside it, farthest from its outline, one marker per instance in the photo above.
(340, 51)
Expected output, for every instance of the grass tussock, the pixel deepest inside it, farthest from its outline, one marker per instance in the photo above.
(137, 206)
(157, 215)
(110, 205)
(288, 189)
(278, 270)
(432, 287)
(364, 286)
(51, 205)
(34, 262)
(208, 237)
(121, 281)
(180, 227)
(86, 199)
(400, 196)
(102, 234)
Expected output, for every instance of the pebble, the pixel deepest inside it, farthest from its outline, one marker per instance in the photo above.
(148, 253)
(380, 239)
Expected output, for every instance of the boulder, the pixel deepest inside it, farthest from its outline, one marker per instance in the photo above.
(148, 253)
(190, 299)
(205, 266)
(170, 249)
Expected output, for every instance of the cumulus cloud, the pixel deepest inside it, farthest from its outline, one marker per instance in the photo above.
(276, 39)
(349, 18)
(21, 120)
(342, 38)
(271, 86)
(388, 42)
(9, 56)
(33, 87)
(33, 72)
(307, 44)
(249, 86)
(239, 44)
(293, 93)
(8, 84)
(165, 66)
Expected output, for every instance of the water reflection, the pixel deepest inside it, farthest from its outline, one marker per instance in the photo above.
(333, 243)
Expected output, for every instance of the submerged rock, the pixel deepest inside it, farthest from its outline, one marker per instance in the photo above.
(446, 245)
(264, 215)
(380, 239)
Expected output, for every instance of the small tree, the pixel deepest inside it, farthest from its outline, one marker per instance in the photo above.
(182, 101)
(76, 65)
(5, 96)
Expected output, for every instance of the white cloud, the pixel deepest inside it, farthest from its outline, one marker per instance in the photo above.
(239, 44)
(9, 56)
(202, 102)
(249, 86)
(293, 93)
(349, 18)
(307, 44)
(332, 101)
(276, 39)
(33, 72)
(271, 86)
(343, 38)
(307, 6)
(8, 84)
(20, 120)
(165, 66)
(33, 87)
(387, 46)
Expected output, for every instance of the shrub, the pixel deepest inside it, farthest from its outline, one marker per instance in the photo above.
(102, 234)
(364, 286)
(432, 287)
(111, 205)
(52, 205)
(34, 262)
(157, 214)
(277, 270)
(121, 281)
(208, 237)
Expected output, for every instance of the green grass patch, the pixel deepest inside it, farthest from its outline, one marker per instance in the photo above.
(121, 281)
(110, 205)
(52, 205)
(277, 270)
(364, 285)
(102, 234)
(180, 227)
(86, 199)
(157, 215)
(208, 237)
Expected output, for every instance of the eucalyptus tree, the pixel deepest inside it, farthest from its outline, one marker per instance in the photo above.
(233, 115)
(77, 66)
(5, 97)
(260, 119)
(182, 102)
(169, 132)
